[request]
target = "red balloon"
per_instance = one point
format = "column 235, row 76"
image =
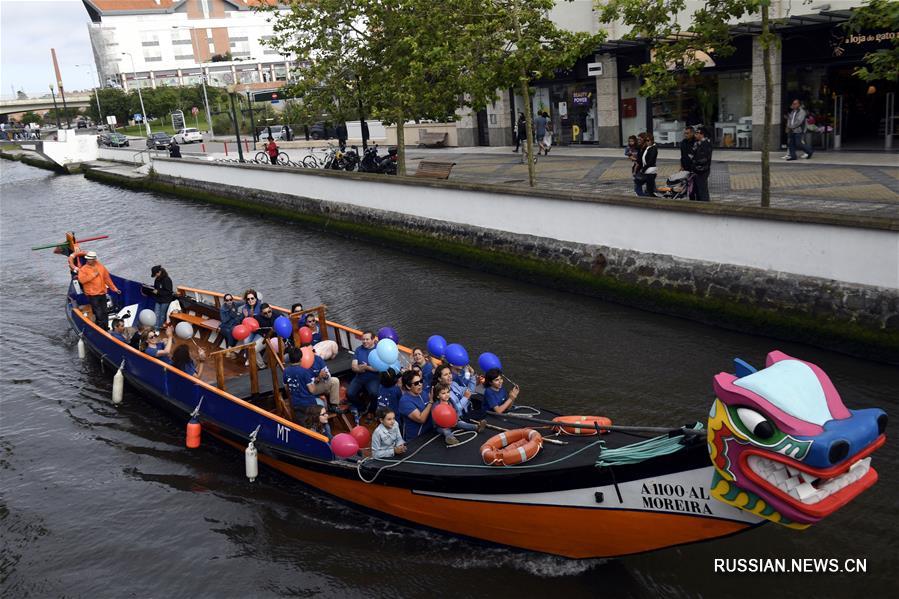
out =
column 444, row 415
column 344, row 445
column 305, row 335
column 361, row 435
column 240, row 332
column 308, row 357
column 251, row 323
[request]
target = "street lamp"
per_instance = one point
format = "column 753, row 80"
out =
column 196, row 52
column 139, row 95
column 96, row 89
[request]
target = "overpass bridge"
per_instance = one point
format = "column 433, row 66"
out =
column 78, row 100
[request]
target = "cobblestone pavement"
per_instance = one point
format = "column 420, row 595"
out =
column 831, row 188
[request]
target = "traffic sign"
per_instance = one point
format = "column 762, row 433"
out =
column 194, row 111
column 272, row 96
column 137, row 117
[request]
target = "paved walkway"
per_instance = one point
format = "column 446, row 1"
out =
column 834, row 182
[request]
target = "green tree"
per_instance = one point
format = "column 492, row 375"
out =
column 880, row 15
column 677, row 51
column 30, row 117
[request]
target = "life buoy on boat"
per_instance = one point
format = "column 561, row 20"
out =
column 512, row 447
column 576, row 430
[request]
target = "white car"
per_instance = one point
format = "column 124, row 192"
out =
column 186, row 136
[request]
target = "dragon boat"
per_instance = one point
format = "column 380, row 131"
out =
column 778, row 446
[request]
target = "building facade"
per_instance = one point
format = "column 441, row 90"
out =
column 177, row 42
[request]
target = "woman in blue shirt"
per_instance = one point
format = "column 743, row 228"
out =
column 415, row 411
column 496, row 399
column 181, row 360
column 161, row 350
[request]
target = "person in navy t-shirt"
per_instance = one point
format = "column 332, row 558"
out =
column 312, row 324
column 159, row 350
column 389, row 393
column 299, row 383
column 415, row 411
column 427, row 368
column 496, row 399
column 366, row 375
column 118, row 329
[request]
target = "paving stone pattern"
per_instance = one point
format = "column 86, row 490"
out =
column 850, row 189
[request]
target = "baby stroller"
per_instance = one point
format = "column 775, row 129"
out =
column 677, row 186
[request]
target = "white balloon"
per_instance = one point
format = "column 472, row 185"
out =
column 184, row 330
column 147, row 317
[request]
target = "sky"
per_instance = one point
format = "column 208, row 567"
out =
column 28, row 29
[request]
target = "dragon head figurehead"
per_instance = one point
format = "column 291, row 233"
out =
column 783, row 444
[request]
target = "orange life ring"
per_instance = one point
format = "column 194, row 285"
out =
column 512, row 447
column 576, row 430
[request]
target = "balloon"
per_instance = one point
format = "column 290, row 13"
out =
column 274, row 343
column 456, row 354
column 147, row 317
column 184, row 330
column 251, row 323
column 375, row 361
column 436, row 345
column 308, row 357
column 344, row 445
column 283, row 327
column 444, row 415
column 487, row 361
column 387, row 351
column 240, row 332
column 388, row 333
column 397, row 366
column 362, row 436
column 305, row 335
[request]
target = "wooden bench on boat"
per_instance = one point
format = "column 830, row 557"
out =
column 433, row 169
column 428, row 138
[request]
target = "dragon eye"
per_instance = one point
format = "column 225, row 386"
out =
column 755, row 422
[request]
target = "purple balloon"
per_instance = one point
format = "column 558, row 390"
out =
column 388, row 333
column 456, row 354
column 436, row 346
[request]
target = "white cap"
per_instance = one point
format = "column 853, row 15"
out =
column 90, row 255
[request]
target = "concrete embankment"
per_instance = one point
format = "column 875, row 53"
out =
column 823, row 279
column 32, row 159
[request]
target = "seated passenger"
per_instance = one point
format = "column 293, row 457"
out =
column 297, row 307
column 496, row 398
column 266, row 320
column 316, row 419
column 415, row 411
column 229, row 315
column 441, row 394
column 386, row 440
column 465, row 376
column 326, row 349
column 181, row 360
column 299, row 383
column 389, row 393
column 312, row 323
column 250, row 305
column 460, row 395
column 137, row 338
column 323, row 382
column 161, row 350
column 118, row 329
column 366, row 376
column 422, row 360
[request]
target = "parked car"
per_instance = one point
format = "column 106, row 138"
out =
column 188, row 136
column 112, row 139
column 278, row 133
column 321, row 131
column 160, row 141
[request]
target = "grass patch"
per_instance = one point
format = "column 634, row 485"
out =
column 788, row 324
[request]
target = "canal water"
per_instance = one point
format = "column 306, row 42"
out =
column 105, row 501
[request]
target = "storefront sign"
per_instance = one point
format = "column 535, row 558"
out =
column 581, row 98
column 594, row 69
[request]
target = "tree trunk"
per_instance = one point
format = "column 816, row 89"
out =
column 526, row 96
column 765, row 41
column 400, row 146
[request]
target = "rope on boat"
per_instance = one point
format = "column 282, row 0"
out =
column 392, row 465
column 683, row 430
column 515, row 410
column 643, row 450
column 524, row 466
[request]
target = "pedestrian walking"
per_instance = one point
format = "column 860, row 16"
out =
column 796, row 124
column 648, row 155
column 687, row 147
column 702, row 164
column 548, row 137
column 271, row 148
column 539, row 130
column 174, row 149
column 633, row 153
column 520, row 131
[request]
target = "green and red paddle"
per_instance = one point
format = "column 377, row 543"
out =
column 66, row 243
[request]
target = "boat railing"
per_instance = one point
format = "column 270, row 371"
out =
column 219, row 358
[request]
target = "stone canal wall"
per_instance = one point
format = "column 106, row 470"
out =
column 829, row 280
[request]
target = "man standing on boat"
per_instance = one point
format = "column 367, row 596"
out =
column 95, row 281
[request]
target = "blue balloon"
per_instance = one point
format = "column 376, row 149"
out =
column 487, row 361
column 437, row 346
column 388, row 333
column 456, row 354
column 396, row 366
column 388, row 351
column 375, row 361
column 283, row 327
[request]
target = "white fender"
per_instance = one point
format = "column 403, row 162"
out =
column 252, row 464
column 118, row 385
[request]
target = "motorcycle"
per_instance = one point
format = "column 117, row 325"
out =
column 373, row 163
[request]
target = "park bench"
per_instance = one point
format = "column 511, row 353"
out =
column 432, row 169
column 427, row 138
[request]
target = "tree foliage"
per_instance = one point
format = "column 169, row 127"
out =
column 30, row 117
column 879, row 15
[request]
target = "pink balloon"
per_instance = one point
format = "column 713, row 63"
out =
column 362, row 436
column 240, row 332
column 308, row 358
column 305, row 335
column 344, row 445
column 273, row 343
column 444, row 415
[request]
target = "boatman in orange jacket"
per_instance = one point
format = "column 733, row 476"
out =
column 95, row 281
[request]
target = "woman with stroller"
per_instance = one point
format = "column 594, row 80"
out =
column 648, row 155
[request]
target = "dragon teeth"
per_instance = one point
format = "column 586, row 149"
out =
column 792, row 471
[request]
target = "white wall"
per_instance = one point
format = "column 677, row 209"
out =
column 852, row 255
column 71, row 148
